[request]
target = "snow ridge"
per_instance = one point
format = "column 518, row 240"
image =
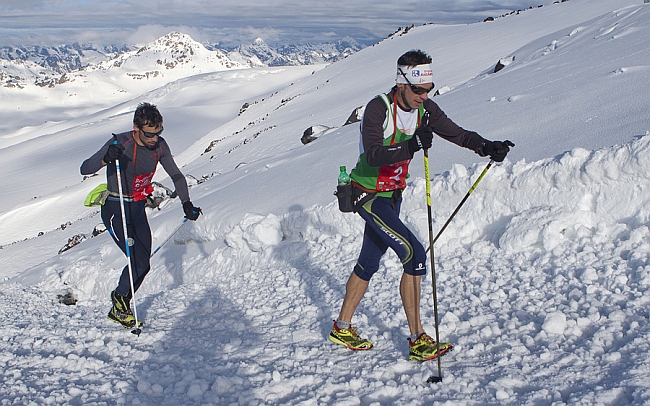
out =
column 512, row 297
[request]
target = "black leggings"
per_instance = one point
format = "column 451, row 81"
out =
column 138, row 230
column 385, row 230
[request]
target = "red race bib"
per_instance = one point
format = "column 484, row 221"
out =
column 393, row 176
column 142, row 186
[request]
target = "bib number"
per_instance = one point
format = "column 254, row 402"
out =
column 142, row 186
column 393, row 176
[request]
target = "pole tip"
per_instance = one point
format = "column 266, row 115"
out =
column 136, row 331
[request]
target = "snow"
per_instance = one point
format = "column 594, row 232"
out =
column 542, row 277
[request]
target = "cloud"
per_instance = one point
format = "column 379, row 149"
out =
column 52, row 22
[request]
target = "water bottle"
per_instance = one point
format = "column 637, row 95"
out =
column 344, row 178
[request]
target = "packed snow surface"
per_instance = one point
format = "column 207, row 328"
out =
column 542, row 277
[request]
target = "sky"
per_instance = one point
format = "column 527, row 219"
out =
column 542, row 277
column 58, row 22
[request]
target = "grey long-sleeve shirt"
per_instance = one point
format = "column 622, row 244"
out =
column 145, row 163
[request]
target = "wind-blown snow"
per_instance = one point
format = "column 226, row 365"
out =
column 542, row 277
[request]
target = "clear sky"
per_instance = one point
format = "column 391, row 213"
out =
column 56, row 22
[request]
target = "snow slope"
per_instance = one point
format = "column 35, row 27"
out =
column 542, row 277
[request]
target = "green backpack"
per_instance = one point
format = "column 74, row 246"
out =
column 97, row 196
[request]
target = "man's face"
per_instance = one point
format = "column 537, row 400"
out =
column 411, row 99
column 148, row 135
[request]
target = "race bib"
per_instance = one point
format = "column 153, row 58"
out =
column 393, row 176
column 142, row 186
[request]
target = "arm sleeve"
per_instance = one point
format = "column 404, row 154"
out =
column 169, row 165
column 94, row 163
column 450, row 131
column 372, row 137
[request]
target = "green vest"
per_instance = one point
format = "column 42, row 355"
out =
column 384, row 179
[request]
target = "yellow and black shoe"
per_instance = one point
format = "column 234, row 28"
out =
column 121, row 303
column 126, row 319
column 424, row 348
column 349, row 338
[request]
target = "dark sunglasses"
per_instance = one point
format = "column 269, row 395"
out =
column 417, row 89
column 151, row 135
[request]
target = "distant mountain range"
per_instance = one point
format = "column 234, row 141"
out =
column 49, row 66
column 293, row 55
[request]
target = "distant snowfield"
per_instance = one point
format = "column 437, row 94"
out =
column 542, row 277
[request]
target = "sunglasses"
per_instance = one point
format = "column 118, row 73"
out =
column 151, row 135
column 417, row 89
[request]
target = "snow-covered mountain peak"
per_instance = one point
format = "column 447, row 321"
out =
column 174, row 40
column 172, row 51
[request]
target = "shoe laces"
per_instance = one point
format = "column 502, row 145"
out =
column 424, row 338
column 353, row 331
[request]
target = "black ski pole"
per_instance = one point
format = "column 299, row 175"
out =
column 459, row 205
column 432, row 379
column 169, row 237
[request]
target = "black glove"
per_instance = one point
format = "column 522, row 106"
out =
column 497, row 150
column 423, row 138
column 191, row 212
column 114, row 152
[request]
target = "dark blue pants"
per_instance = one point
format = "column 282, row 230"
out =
column 138, row 229
column 384, row 229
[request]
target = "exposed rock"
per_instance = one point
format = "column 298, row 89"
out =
column 313, row 133
column 67, row 298
column 356, row 115
column 160, row 194
column 503, row 62
column 73, row 241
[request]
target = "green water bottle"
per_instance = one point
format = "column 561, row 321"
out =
column 344, row 178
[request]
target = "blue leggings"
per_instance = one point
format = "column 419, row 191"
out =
column 384, row 229
column 137, row 226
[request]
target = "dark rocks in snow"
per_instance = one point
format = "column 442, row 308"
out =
column 160, row 194
column 313, row 133
column 99, row 228
column 307, row 136
column 72, row 241
column 67, row 298
column 441, row 90
column 243, row 108
column 356, row 115
column 503, row 62
column 212, row 145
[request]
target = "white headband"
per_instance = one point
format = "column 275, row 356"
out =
column 416, row 75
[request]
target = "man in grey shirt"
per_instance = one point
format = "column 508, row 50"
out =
column 139, row 152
